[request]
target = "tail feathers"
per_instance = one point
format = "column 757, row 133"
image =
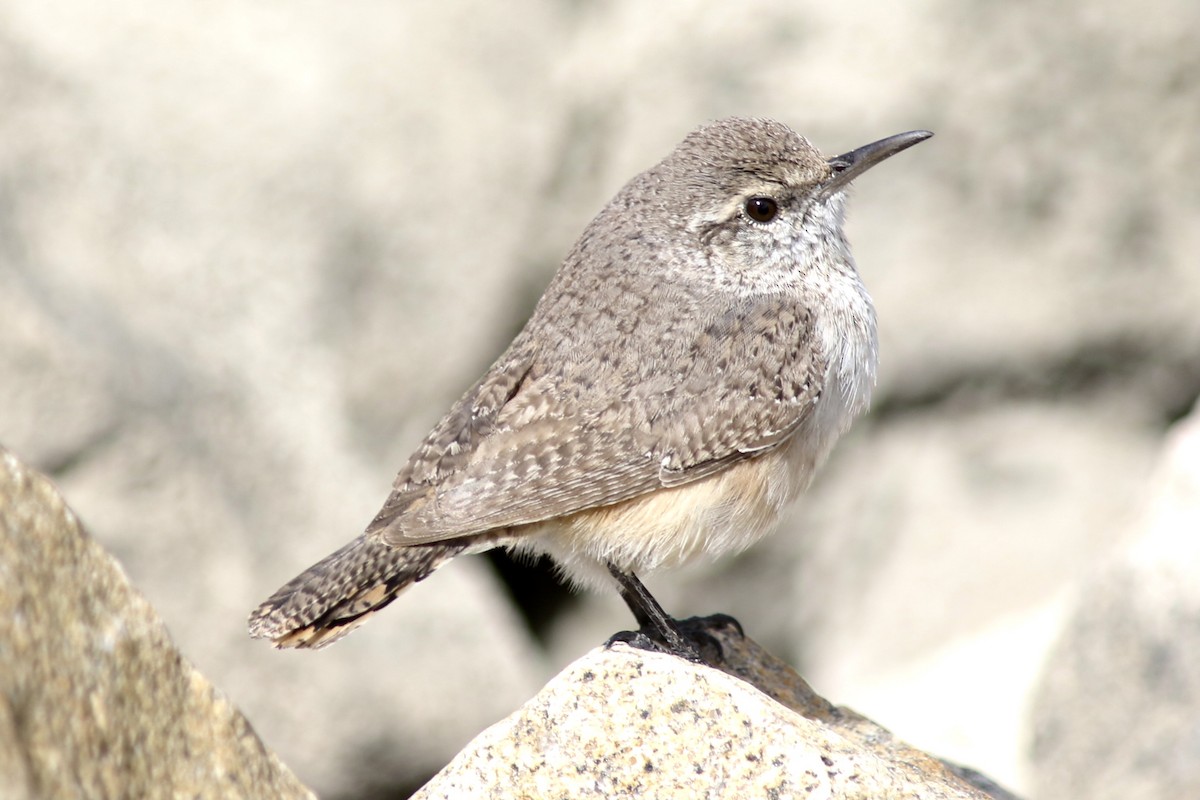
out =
column 339, row 593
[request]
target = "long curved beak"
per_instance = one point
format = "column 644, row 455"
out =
column 849, row 166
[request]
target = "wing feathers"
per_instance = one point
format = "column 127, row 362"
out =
column 528, row 444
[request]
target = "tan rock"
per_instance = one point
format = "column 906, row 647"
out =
column 95, row 700
column 622, row 722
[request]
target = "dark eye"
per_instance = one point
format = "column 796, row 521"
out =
column 762, row 209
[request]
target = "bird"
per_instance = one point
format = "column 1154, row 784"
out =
column 688, row 369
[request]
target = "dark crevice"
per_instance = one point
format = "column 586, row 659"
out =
column 60, row 465
column 1164, row 381
column 382, row 774
column 381, row 789
column 536, row 589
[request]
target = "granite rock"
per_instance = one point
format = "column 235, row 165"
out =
column 95, row 699
column 622, row 722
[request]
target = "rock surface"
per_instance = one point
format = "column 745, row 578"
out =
column 95, row 700
column 622, row 722
column 1117, row 709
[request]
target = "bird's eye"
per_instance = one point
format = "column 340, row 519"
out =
column 762, row 209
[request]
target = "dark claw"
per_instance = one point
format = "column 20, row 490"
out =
column 711, row 623
column 634, row 639
column 639, row 639
column 646, row 640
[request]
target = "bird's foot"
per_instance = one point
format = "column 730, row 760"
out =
column 691, row 639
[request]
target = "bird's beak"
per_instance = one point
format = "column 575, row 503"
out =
column 849, row 166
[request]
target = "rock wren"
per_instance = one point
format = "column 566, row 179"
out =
column 689, row 367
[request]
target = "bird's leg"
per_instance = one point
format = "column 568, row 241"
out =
column 652, row 619
column 657, row 629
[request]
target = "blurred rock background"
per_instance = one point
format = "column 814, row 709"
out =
column 250, row 252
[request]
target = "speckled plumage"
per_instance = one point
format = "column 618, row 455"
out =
column 682, row 377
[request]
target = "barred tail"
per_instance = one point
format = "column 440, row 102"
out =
column 339, row 593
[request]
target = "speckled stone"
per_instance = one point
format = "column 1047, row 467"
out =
column 626, row 723
column 95, row 700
